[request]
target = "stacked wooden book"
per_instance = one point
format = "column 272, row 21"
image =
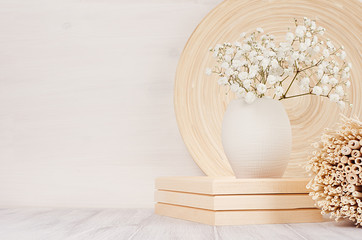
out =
column 231, row 201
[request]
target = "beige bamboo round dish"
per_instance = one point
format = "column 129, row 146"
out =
column 200, row 103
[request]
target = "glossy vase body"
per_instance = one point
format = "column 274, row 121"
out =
column 257, row 138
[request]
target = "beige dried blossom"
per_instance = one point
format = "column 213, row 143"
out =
column 336, row 166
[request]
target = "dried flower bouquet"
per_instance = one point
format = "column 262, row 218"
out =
column 256, row 66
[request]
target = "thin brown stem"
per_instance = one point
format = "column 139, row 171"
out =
column 302, row 94
column 284, row 79
column 311, row 66
column 298, row 95
column 295, row 76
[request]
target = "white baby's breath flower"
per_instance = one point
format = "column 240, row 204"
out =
column 260, row 57
column 241, row 93
column 238, row 54
column 252, row 54
column 320, row 72
column 343, row 55
column 252, row 74
column 243, row 75
column 230, row 51
column 229, row 72
column 307, row 42
column 250, row 97
column 225, row 65
column 339, row 90
column 227, row 58
column 289, row 71
column 316, row 49
column 234, row 87
column 248, row 39
column 208, row 71
column 313, row 25
column 222, row 81
column 265, row 63
column 341, row 104
column 302, row 47
column 247, row 84
column 324, row 65
column 325, row 89
column 260, row 30
column 271, row 54
column 317, row 90
column 279, row 91
column 348, row 84
column 289, row 37
column 326, row 53
column 330, row 44
column 242, row 34
column 325, row 79
column 301, row 57
column 307, row 21
column 274, row 63
column 217, row 47
column 304, row 84
column 236, row 63
column 271, row 80
column 334, row 97
column 345, row 75
column 284, row 46
column 335, row 69
column 295, row 56
column 300, row 30
column 321, row 30
column 333, row 81
column 253, row 70
column 261, row 88
column 246, row 47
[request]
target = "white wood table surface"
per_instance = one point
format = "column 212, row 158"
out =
column 131, row 224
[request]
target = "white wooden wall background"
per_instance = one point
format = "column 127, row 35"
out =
column 86, row 99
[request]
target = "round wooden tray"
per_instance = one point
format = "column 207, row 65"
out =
column 200, row 103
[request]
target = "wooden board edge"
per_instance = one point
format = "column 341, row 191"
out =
column 235, row 202
column 229, row 218
column 231, row 185
column 192, row 214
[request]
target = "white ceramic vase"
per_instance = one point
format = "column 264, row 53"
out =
column 257, row 138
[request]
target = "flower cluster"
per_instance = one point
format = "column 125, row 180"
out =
column 336, row 166
column 256, row 66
